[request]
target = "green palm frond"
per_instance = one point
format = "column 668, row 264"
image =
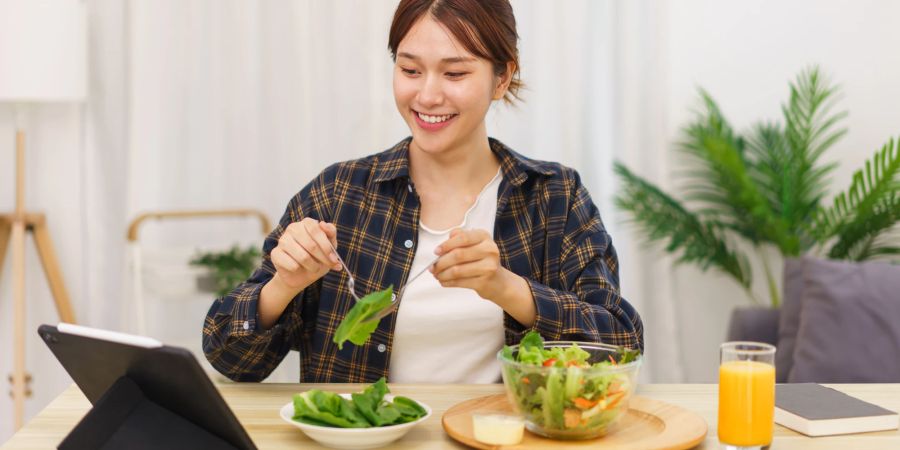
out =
column 767, row 187
column 722, row 180
column 810, row 129
column 663, row 218
column 860, row 240
column 884, row 245
column 772, row 169
column 869, row 207
column 790, row 183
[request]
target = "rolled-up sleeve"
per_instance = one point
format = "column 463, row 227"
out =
column 232, row 340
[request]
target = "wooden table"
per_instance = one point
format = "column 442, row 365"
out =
column 257, row 405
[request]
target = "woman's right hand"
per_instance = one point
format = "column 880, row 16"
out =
column 303, row 254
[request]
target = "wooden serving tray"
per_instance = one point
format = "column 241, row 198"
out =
column 648, row 424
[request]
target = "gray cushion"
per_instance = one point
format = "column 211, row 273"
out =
column 753, row 323
column 849, row 329
column 789, row 321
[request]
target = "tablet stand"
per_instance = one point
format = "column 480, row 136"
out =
column 125, row 418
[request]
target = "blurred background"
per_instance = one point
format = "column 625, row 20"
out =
column 214, row 104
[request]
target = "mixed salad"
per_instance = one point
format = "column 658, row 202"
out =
column 579, row 396
column 365, row 409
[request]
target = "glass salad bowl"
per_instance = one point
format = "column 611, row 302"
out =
column 569, row 390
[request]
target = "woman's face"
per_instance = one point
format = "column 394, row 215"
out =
column 442, row 91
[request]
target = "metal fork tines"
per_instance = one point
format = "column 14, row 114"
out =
column 396, row 300
column 351, row 283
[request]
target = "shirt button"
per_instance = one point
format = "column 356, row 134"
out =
column 382, row 348
column 408, row 243
column 246, row 325
column 394, row 297
column 409, row 187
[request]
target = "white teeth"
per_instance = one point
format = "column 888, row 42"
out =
column 434, row 119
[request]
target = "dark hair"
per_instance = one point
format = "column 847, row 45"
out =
column 486, row 28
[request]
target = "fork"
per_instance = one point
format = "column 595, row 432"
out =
column 396, row 300
column 351, row 283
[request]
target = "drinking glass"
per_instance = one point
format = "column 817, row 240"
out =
column 746, row 395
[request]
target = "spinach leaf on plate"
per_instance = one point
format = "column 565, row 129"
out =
column 366, row 409
column 327, row 409
column 409, row 408
column 367, row 402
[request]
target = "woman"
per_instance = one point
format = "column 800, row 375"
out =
column 518, row 243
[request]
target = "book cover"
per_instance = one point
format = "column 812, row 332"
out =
column 816, row 410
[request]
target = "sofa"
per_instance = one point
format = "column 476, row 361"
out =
column 839, row 323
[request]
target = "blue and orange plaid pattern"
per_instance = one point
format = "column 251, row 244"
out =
column 547, row 229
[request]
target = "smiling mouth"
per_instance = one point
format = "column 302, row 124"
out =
column 433, row 119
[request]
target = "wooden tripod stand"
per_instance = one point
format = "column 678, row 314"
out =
column 13, row 227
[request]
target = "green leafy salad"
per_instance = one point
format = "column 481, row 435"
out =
column 358, row 325
column 579, row 396
column 366, row 409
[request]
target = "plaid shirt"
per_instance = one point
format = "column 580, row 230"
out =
column 547, row 230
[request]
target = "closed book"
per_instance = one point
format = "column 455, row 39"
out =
column 816, row 410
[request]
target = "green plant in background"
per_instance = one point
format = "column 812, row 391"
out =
column 229, row 268
column 766, row 187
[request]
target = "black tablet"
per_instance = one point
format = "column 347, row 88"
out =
column 151, row 385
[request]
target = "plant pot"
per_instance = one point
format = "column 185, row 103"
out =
column 754, row 323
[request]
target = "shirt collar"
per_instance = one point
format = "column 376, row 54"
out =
column 394, row 163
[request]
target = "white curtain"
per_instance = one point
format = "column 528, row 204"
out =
column 242, row 103
column 212, row 103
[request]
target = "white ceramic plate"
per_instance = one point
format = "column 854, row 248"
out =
column 353, row 438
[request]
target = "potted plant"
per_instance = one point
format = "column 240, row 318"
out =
column 227, row 269
column 766, row 187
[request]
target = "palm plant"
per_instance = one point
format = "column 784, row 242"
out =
column 767, row 187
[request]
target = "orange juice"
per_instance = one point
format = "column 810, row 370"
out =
column 746, row 403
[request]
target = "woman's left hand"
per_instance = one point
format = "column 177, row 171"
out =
column 470, row 259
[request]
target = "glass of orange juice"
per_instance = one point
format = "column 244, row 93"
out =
column 746, row 395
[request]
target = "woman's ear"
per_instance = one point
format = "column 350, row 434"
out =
column 503, row 81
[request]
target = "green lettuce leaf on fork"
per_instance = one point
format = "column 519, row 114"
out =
column 357, row 326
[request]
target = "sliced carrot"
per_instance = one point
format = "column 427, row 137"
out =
column 583, row 403
column 613, row 400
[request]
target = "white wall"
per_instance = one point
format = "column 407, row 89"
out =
column 744, row 53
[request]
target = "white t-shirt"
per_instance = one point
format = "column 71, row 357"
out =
column 448, row 335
